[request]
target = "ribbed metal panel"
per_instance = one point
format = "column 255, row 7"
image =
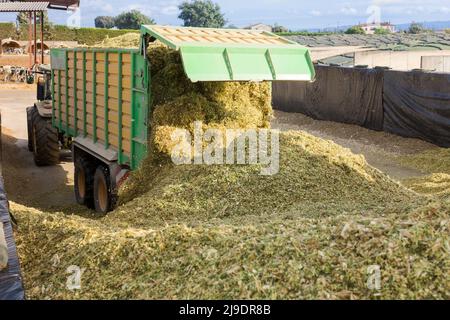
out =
column 23, row 6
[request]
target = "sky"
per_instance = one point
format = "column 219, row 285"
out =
column 293, row 14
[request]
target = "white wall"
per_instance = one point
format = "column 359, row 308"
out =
column 438, row 63
column 397, row 60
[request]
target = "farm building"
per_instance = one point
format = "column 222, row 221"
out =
column 260, row 27
column 370, row 28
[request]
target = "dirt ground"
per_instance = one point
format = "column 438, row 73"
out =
column 25, row 183
column 18, row 60
column 52, row 187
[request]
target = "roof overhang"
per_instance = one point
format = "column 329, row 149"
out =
column 20, row 6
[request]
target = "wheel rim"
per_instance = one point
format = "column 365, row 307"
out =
column 81, row 182
column 102, row 195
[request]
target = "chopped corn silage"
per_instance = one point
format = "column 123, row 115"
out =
column 314, row 230
column 435, row 164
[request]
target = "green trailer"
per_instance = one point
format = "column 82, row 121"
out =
column 99, row 98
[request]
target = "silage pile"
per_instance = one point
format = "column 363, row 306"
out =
column 219, row 232
column 126, row 41
column 178, row 103
column 216, row 232
column 435, row 165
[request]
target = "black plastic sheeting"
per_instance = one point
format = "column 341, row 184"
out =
column 11, row 287
column 417, row 105
column 346, row 95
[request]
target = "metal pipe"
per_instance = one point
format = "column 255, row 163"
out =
column 42, row 37
column 29, row 39
column 35, row 36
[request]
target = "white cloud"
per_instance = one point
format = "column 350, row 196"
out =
column 315, row 13
column 349, row 11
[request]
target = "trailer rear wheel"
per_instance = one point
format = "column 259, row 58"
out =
column 30, row 111
column 104, row 198
column 45, row 141
column 84, row 182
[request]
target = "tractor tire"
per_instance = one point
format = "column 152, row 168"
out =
column 30, row 111
column 45, row 141
column 84, row 182
column 104, row 198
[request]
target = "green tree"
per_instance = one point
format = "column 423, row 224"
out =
column 279, row 29
column 355, row 30
column 416, row 28
column 202, row 13
column 382, row 31
column 22, row 22
column 105, row 22
column 132, row 20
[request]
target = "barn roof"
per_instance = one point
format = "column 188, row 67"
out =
column 16, row 6
column 61, row 4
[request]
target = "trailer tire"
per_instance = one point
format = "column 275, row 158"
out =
column 84, row 182
column 30, row 111
column 104, row 197
column 45, row 141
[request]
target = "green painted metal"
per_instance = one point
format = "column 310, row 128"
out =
column 75, row 97
column 59, row 100
column 94, row 94
column 53, row 98
column 246, row 64
column 106, row 114
column 119, row 108
column 139, row 108
column 66, row 74
column 58, row 59
column 213, row 60
column 84, row 96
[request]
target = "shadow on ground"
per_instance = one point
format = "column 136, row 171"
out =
column 47, row 189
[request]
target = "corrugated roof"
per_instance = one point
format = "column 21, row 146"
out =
column 23, row 6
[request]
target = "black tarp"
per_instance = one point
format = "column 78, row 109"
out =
column 417, row 105
column 10, row 278
column 11, row 287
column 347, row 95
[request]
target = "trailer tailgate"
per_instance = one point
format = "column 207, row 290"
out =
column 235, row 55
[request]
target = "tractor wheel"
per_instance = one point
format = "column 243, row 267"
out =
column 45, row 141
column 84, row 182
column 30, row 111
column 104, row 198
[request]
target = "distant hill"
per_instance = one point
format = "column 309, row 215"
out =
column 433, row 25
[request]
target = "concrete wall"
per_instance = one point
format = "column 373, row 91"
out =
column 397, row 60
column 438, row 63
